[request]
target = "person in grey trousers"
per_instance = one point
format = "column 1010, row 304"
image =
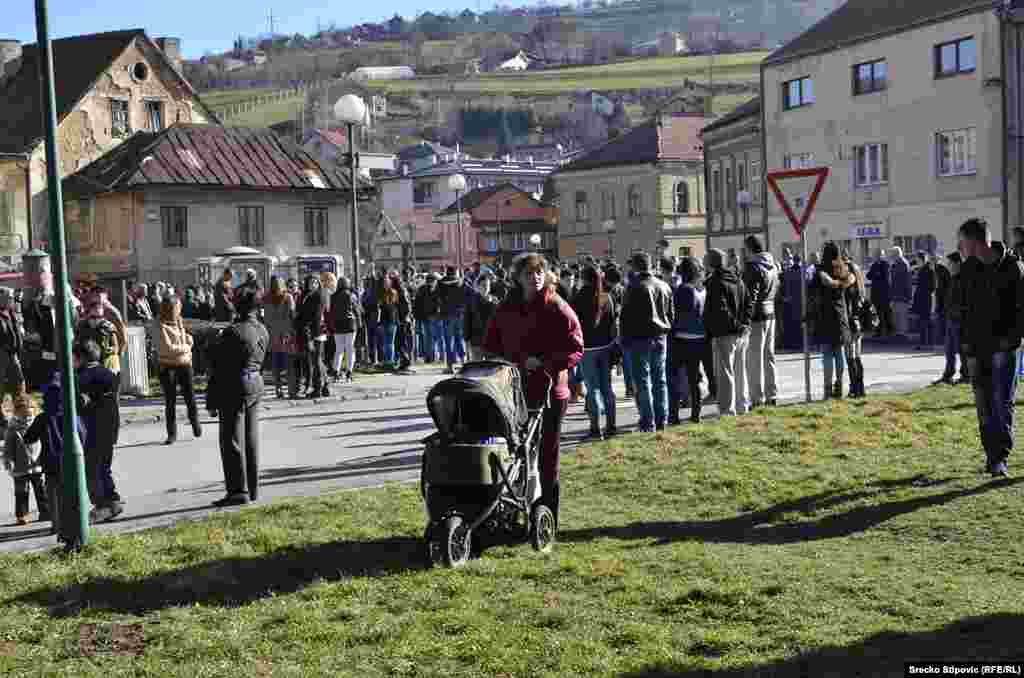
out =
column 761, row 277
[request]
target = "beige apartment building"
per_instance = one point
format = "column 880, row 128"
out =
column 643, row 191
column 735, row 167
column 903, row 102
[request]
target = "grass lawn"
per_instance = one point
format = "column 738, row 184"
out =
column 220, row 98
column 630, row 74
column 835, row 539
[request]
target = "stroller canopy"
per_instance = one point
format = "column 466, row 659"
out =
column 485, row 399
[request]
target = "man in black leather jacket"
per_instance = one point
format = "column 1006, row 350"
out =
column 235, row 391
column 648, row 313
column 727, row 313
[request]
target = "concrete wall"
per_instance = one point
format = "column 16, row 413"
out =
column 212, row 226
column 906, row 116
column 656, row 220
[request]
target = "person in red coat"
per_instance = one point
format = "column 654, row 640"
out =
column 538, row 330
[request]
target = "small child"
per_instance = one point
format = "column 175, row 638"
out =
column 24, row 462
column 97, row 388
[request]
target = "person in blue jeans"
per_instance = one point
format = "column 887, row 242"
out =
column 389, row 317
column 453, row 308
column 599, row 318
column 991, row 301
column 648, row 314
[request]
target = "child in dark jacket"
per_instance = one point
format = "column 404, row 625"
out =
column 97, row 390
column 48, row 429
column 24, row 462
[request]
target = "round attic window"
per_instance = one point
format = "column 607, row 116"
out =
column 140, row 72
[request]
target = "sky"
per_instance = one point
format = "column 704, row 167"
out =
column 206, row 25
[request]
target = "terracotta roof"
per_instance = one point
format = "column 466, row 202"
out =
column 859, row 20
column 748, row 110
column 78, row 63
column 477, row 197
column 206, row 156
column 334, row 136
column 668, row 138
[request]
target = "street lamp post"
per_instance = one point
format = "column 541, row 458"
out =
column 457, row 183
column 351, row 110
column 535, row 241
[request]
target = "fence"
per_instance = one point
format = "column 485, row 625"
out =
column 227, row 112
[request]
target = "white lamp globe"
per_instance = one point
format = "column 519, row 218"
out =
column 457, row 182
column 351, row 109
column 535, row 240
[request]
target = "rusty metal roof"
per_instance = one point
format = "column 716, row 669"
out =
column 671, row 137
column 208, row 156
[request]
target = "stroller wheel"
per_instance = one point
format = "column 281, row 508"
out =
column 455, row 542
column 542, row 529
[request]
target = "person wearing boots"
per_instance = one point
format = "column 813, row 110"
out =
column 311, row 328
column 174, row 354
column 234, row 392
column 856, row 296
column 599, row 318
column 831, row 316
column 97, row 395
column 535, row 329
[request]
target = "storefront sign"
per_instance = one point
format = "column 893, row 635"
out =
column 864, row 231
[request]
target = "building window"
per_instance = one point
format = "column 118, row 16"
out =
column 175, row 226
column 952, row 58
column 730, row 192
column 682, row 198
column 872, row 164
column 316, row 227
column 608, row 205
column 716, row 190
column 755, row 181
column 957, row 152
column 155, row 115
column 423, row 193
column 685, row 251
column 635, row 204
column 582, row 208
column 872, row 76
column 797, row 93
column 250, row 226
column 794, row 161
column 119, row 123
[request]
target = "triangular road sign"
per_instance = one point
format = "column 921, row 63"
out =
column 799, row 220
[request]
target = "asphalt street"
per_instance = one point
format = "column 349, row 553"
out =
column 371, row 437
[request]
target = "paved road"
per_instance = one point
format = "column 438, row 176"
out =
column 369, row 439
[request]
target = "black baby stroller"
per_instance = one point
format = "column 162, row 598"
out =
column 480, row 470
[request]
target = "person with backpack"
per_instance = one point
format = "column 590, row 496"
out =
column 761, row 277
column 102, row 323
column 97, row 393
column 728, row 309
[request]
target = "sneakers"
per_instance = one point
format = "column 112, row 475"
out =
column 946, row 379
column 594, row 434
column 21, row 520
column 105, row 513
column 1000, row 470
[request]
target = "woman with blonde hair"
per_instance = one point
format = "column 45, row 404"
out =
column 174, row 355
column 279, row 317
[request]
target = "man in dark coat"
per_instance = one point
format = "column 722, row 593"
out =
column 879, row 275
column 924, row 293
column 12, row 378
column 311, row 331
column 235, row 391
column 728, row 310
column 223, row 305
column 453, row 310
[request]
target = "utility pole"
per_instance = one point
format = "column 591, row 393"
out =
column 271, row 21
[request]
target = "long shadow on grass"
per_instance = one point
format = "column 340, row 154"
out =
column 991, row 638
column 231, row 582
column 762, row 527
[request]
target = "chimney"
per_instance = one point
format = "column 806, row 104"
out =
column 10, row 58
column 171, row 48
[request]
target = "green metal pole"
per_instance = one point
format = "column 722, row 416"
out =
column 74, row 516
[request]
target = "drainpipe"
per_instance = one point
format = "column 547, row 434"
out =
column 764, row 165
column 1004, row 26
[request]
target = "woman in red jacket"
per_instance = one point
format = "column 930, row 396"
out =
column 538, row 330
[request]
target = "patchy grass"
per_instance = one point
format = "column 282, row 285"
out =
column 833, row 539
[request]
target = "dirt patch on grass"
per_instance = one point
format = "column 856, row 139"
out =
column 126, row 640
column 8, row 648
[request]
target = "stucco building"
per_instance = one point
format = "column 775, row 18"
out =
column 643, row 191
column 734, row 169
column 108, row 86
column 903, row 102
column 151, row 207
